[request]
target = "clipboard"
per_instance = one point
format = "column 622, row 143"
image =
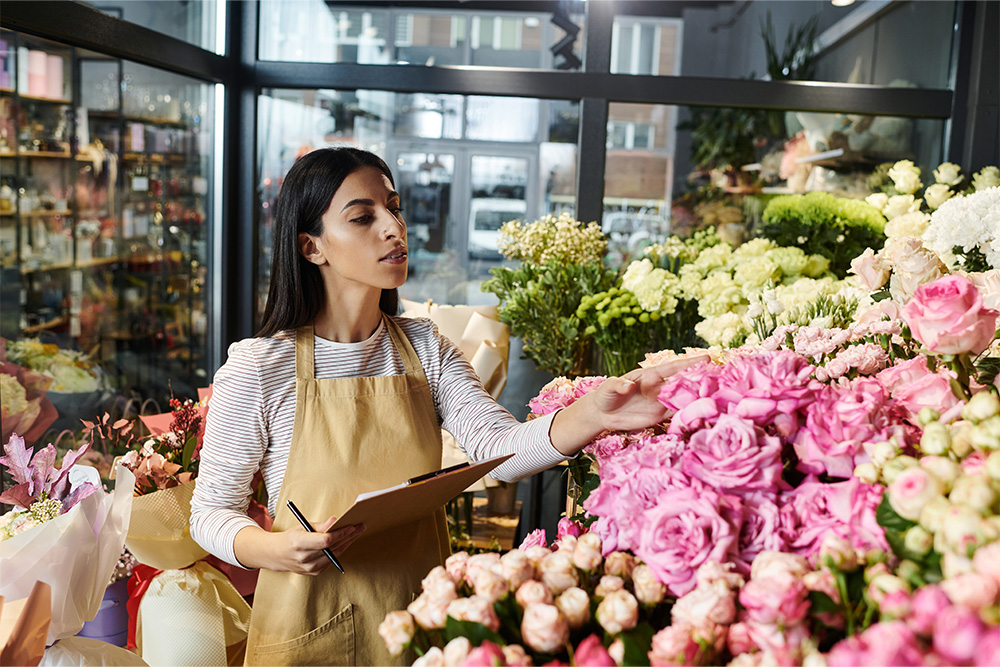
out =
column 415, row 498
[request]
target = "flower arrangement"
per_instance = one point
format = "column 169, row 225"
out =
column 24, row 404
column 42, row 491
column 70, row 371
column 561, row 260
column 837, row 228
column 965, row 230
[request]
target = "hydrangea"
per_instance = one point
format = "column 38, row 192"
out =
column 970, row 222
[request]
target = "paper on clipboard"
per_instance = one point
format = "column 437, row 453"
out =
column 406, row 502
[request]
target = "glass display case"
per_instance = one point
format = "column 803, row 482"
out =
column 104, row 196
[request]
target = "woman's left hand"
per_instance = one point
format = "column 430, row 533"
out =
column 623, row 403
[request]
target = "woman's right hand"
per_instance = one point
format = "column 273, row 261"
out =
column 293, row 550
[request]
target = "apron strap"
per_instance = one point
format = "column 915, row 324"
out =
column 411, row 362
column 304, row 360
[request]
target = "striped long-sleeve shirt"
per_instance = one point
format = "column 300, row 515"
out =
column 249, row 424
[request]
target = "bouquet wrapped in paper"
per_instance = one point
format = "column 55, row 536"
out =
column 26, row 408
column 173, row 591
column 66, row 532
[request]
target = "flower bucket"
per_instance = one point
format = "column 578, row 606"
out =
column 111, row 623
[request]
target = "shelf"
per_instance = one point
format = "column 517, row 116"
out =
column 99, row 261
column 45, row 214
column 153, row 121
column 47, row 267
column 36, row 98
column 67, row 155
column 8, row 154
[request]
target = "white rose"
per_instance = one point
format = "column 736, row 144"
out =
column 993, row 465
column 587, row 554
column 946, row 470
column 936, row 439
column 648, row 588
column 557, row 572
column 932, row 516
column 988, row 177
column 948, row 173
column 937, row 194
column 960, row 529
column 918, row 540
column 905, row 176
column 975, row 491
column 913, row 224
column 574, row 603
column 619, row 564
column 878, row 200
column 456, row 651
column 899, row 205
column 981, row 406
column 617, row 612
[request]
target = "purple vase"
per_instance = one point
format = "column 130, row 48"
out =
column 111, row 623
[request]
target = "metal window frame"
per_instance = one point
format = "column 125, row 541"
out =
column 968, row 107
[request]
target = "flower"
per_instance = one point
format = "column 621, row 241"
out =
column 587, row 554
column 397, row 631
column 574, row 603
column 36, row 478
column 516, row 568
column 544, row 628
column 948, row 316
column 937, row 194
column 908, row 224
column 648, row 589
column 948, row 173
column 591, row 653
column 957, row 630
column 618, row 611
column 674, row 645
column 900, row 205
column 870, row 269
column 782, row 599
column 987, row 177
column 430, row 614
column 912, row 266
column 885, row 643
column 733, row 455
column 533, row 592
column 915, row 387
column 905, row 176
column 714, row 602
column 486, row 653
column 476, row 609
column 557, row 572
column 965, row 223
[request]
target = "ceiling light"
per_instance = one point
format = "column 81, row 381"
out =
column 842, row 3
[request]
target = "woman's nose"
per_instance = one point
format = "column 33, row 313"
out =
column 393, row 226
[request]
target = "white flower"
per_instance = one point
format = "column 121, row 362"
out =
column 908, row 224
column 988, row 177
column 899, row 205
column 878, row 200
column 905, row 176
column 948, row 173
column 937, row 194
column 970, row 221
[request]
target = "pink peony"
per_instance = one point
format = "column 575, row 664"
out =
column 486, row 654
column 768, row 388
column 591, row 653
column 602, row 449
column 846, row 508
column 687, row 527
column 734, row 455
column 948, row 316
column 839, row 422
column 957, row 630
column 891, row 643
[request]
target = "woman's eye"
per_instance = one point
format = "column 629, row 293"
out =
column 362, row 219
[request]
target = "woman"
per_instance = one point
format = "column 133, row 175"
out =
column 336, row 396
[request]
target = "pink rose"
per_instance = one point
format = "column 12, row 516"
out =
column 617, row 612
column 915, row 386
column 544, row 628
column 535, row 538
column 684, row 529
column 971, row 589
column 734, row 455
column 713, row 571
column 486, row 653
column 567, row 526
column 673, row 645
column 591, row 653
column 988, row 650
column 781, row 599
column 957, row 630
column 557, row 572
column 457, row 651
column 783, row 642
column 491, row 585
column 738, row 639
column 480, row 562
column 587, row 554
column 603, row 449
column 761, row 529
column 455, row 565
column 814, row 509
column 870, row 269
column 779, row 564
column 926, row 605
column 714, row 603
column 948, row 316
column 986, row 561
column 911, row 490
column 429, row 614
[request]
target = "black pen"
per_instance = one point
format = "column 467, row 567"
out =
column 308, row 526
column 436, row 473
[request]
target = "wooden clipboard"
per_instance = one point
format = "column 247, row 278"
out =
column 415, row 499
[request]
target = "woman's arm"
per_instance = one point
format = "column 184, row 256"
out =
column 621, row 403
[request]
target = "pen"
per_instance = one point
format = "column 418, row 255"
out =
column 308, row 526
column 431, row 475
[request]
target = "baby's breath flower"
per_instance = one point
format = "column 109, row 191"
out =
column 552, row 238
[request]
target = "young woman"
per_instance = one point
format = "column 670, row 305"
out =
column 336, row 396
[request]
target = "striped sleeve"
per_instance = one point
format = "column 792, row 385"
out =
column 234, row 445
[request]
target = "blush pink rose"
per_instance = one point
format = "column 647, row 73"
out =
column 591, row 653
column 779, row 599
column 535, row 538
column 914, row 386
column 870, row 269
column 926, row 605
column 674, row 645
column 957, row 631
column 475, row 609
column 986, row 561
column 486, row 654
column 714, row 603
column 890, row 643
column 544, row 628
column 948, row 316
column 733, row 455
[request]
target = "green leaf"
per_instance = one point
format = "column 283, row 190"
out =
column 889, row 519
column 822, row 603
column 637, row 643
column 476, row 633
column 188, row 452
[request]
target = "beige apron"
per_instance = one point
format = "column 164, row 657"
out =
column 351, row 435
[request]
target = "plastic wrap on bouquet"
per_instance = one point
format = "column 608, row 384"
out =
column 485, row 342
column 199, row 600
column 84, row 652
column 75, row 553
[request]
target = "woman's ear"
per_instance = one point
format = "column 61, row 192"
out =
column 309, row 249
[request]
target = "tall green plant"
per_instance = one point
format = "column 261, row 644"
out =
column 795, row 61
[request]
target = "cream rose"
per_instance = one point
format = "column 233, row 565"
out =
column 433, row 658
column 648, row 589
column 557, row 572
column 608, row 584
column 587, row 554
column 905, row 176
column 429, row 614
column 988, row 177
column 913, row 224
column 619, row 564
column 778, row 563
column 515, row 656
column 533, row 592
column 937, row 194
column 544, row 628
column 455, row 565
column 491, row 585
column 870, row 269
column 879, row 200
column 397, row 631
column 714, row 603
column 898, row 205
column 948, row 174
column 516, row 568
column 617, row 612
column 457, row 651
column 911, row 490
column 975, row 491
column 574, row 603
column 476, row 609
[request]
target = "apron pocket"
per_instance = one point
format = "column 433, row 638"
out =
column 330, row 644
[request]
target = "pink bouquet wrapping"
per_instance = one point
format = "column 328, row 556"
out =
column 25, row 408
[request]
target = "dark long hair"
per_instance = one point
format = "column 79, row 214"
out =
column 296, row 291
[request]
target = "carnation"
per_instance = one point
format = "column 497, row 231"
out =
column 967, row 222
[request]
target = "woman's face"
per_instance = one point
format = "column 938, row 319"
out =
column 363, row 242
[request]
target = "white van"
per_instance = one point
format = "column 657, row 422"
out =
column 486, row 215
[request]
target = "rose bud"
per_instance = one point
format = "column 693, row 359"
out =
column 918, row 540
column 486, row 653
column 648, row 589
column 514, row 655
column 587, row 554
column 532, row 592
column 981, row 407
column 491, row 585
column 429, row 614
column 397, row 631
column 617, row 612
column 911, row 490
column 975, row 491
column 619, row 564
column 608, row 584
column 574, row 603
column 455, row 565
column 557, row 572
column 544, row 628
column 517, row 569
column 591, row 652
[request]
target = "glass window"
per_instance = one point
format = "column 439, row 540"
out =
column 459, row 180
column 104, row 226
column 318, row 31
column 199, row 23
